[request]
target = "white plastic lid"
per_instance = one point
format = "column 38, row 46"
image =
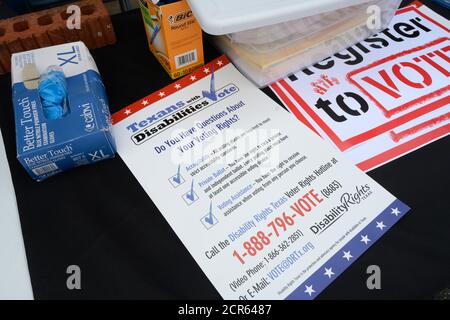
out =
column 220, row 17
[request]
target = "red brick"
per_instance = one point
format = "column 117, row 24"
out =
column 5, row 58
column 42, row 39
column 14, row 45
column 44, row 21
column 104, row 20
column 49, row 27
column 56, row 35
column 97, row 32
column 107, row 28
column 85, row 34
column 71, row 35
column 4, row 52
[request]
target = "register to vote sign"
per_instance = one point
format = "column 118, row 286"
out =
column 265, row 207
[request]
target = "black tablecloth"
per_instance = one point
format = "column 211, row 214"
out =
column 99, row 217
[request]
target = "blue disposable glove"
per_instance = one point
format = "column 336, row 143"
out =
column 53, row 92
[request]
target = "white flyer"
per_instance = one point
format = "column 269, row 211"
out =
column 266, row 208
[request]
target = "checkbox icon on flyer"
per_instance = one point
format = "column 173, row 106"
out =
column 177, row 179
column 209, row 220
column 190, row 197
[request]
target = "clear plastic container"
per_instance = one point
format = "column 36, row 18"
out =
column 268, row 53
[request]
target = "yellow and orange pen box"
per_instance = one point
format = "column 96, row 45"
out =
column 174, row 36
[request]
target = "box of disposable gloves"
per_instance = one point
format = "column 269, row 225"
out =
column 61, row 110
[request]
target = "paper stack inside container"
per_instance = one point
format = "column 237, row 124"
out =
column 272, row 51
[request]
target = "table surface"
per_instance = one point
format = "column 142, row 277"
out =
column 99, row 217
